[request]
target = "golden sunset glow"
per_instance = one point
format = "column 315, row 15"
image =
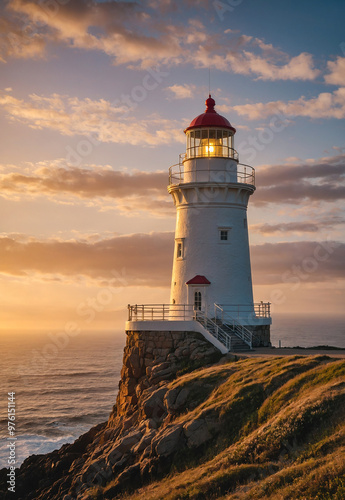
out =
column 94, row 99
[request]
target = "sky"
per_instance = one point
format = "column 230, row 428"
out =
column 94, row 98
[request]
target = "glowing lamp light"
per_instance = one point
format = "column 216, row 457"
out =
column 211, row 147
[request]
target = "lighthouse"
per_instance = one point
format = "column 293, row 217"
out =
column 211, row 190
column 211, row 285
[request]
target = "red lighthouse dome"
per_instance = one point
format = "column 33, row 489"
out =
column 210, row 118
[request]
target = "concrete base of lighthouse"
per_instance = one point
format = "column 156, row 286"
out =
column 161, row 327
column 261, row 335
column 261, row 332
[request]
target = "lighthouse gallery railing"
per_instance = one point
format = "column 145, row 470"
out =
column 185, row 312
column 233, row 173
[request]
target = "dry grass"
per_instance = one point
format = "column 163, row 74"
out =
column 283, row 433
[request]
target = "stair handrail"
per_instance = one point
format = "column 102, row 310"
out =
column 216, row 331
column 238, row 329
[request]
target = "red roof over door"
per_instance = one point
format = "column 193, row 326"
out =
column 198, row 280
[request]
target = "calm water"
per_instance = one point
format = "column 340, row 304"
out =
column 62, row 389
column 61, row 392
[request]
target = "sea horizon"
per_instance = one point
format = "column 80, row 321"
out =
column 61, row 393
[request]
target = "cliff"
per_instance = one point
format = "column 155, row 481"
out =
column 191, row 424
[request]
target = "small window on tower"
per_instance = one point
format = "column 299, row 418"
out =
column 180, row 249
column 223, row 235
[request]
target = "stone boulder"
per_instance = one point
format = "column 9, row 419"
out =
column 175, row 399
column 153, row 406
column 122, row 446
column 167, row 441
column 197, row 433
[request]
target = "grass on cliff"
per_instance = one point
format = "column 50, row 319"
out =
column 280, row 434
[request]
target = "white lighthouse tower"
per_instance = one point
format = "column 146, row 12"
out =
column 211, row 287
column 211, row 190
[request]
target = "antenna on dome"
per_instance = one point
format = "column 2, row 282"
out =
column 209, row 81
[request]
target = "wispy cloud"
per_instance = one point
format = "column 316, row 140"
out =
column 130, row 193
column 19, row 41
column 300, row 67
column 319, row 180
column 185, row 91
column 291, row 183
column 307, row 226
column 325, row 105
column 139, row 37
column 314, row 261
column 336, row 75
column 105, row 121
column 146, row 259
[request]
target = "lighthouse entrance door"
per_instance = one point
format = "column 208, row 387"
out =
column 197, row 297
column 197, row 301
column 197, row 293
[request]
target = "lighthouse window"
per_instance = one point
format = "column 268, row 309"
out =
column 223, row 235
column 197, row 301
column 180, row 249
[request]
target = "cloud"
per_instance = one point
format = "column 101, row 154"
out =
column 308, row 226
column 103, row 120
column 325, row 105
column 145, row 260
column 140, row 37
column 182, row 91
column 336, row 75
column 19, row 40
column 300, row 67
column 321, row 180
column 133, row 192
column 140, row 259
column 130, row 192
column 296, row 262
column 118, row 29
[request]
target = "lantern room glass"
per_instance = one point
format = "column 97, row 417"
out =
column 210, row 142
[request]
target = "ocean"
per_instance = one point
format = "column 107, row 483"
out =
column 64, row 386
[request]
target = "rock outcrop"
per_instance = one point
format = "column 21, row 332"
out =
column 151, row 358
column 231, row 424
column 138, row 433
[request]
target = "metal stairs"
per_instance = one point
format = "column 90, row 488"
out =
column 233, row 336
column 237, row 343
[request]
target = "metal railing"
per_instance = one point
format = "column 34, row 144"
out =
column 214, row 329
column 160, row 312
column 185, row 312
column 234, row 173
column 262, row 309
column 258, row 310
column 238, row 329
column 164, row 312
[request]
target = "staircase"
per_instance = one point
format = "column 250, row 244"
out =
column 237, row 343
column 235, row 337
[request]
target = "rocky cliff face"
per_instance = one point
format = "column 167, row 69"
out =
column 139, row 422
column 151, row 358
column 262, row 428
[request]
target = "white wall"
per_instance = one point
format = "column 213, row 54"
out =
column 203, row 208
